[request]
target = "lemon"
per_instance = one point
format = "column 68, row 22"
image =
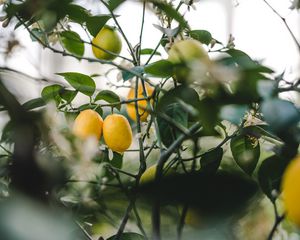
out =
column 291, row 191
column 142, row 105
column 149, row 175
column 109, row 40
column 88, row 123
column 117, row 132
column 184, row 53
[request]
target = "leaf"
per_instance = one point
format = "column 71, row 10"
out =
column 80, row 82
column 168, row 31
column 168, row 132
column 128, row 75
column 77, row 13
column 34, row 103
column 72, row 42
column 202, row 36
column 91, row 106
column 68, row 95
column 110, row 97
column 233, row 113
column 270, row 174
column 211, row 160
column 280, row 114
column 161, row 68
column 183, row 93
column 117, row 160
column 149, row 51
column 128, row 236
column 113, row 4
column 246, row 152
column 95, row 23
column 37, row 33
column 51, row 92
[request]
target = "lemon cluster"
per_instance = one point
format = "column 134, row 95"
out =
column 115, row 128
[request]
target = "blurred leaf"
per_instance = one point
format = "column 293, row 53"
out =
column 128, row 236
column 184, row 93
column 117, row 160
column 77, row 13
column 202, row 36
column 208, row 114
column 7, row 132
column 34, row 103
column 110, row 97
column 246, row 152
column 270, row 174
column 149, row 51
column 211, row 160
column 51, row 92
column 266, row 89
column 280, row 114
column 95, row 23
column 128, row 75
column 168, row 132
column 168, row 31
column 80, row 82
column 68, row 95
column 72, row 42
column 38, row 34
column 161, row 68
column 233, row 113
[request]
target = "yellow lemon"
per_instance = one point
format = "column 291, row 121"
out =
column 291, row 191
column 88, row 123
column 130, row 107
column 107, row 39
column 117, row 132
column 149, row 175
column 185, row 52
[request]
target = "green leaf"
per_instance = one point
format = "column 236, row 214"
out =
column 51, row 92
column 77, row 13
column 72, row 42
column 128, row 236
column 95, row 23
column 183, row 93
column 34, row 103
column 128, row 75
column 202, row 36
column 113, row 4
column 161, row 68
column 211, row 160
column 168, row 132
column 80, row 82
column 117, row 160
column 270, row 174
column 233, row 113
column 280, row 114
column 149, row 51
column 110, row 97
column 68, row 95
column 246, row 152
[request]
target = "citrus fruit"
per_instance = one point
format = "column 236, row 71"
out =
column 183, row 53
column 130, row 107
column 149, row 175
column 291, row 191
column 88, row 123
column 117, row 132
column 107, row 39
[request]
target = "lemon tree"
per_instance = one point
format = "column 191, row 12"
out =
column 191, row 135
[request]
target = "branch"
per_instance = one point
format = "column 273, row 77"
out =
column 285, row 24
